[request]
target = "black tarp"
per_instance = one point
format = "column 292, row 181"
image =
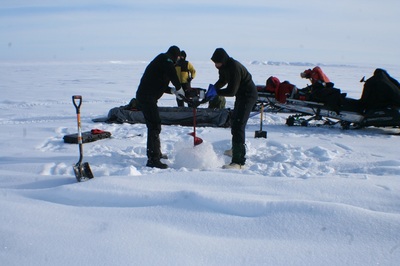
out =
column 183, row 116
column 88, row 136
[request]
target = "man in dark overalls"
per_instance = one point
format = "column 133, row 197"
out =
column 155, row 80
column 239, row 84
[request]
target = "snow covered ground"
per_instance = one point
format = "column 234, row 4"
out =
column 310, row 196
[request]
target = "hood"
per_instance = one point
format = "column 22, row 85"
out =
column 220, row 56
column 174, row 52
column 272, row 83
column 183, row 54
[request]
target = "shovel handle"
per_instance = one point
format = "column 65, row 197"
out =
column 261, row 116
column 77, row 105
column 78, row 117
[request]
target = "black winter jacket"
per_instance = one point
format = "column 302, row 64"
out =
column 233, row 73
column 158, row 74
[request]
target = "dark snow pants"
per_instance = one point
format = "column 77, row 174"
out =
column 149, row 108
column 241, row 113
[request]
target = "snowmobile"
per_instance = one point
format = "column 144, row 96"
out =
column 347, row 118
column 349, row 113
column 322, row 103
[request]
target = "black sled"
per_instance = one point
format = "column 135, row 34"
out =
column 349, row 116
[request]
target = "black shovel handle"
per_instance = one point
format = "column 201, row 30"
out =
column 77, row 105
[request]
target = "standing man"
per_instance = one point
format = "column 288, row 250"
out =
column 239, row 84
column 186, row 73
column 158, row 74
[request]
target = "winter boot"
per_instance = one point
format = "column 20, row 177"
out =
column 156, row 163
column 233, row 166
column 238, row 156
column 228, row 152
column 238, row 153
column 154, row 147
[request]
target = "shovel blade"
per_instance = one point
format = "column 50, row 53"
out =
column 260, row 134
column 83, row 172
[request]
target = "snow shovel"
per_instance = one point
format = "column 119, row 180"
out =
column 196, row 140
column 260, row 133
column 82, row 170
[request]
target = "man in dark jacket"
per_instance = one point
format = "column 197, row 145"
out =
column 239, row 84
column 158, row 74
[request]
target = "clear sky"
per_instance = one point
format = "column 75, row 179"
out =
column 316, row 31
